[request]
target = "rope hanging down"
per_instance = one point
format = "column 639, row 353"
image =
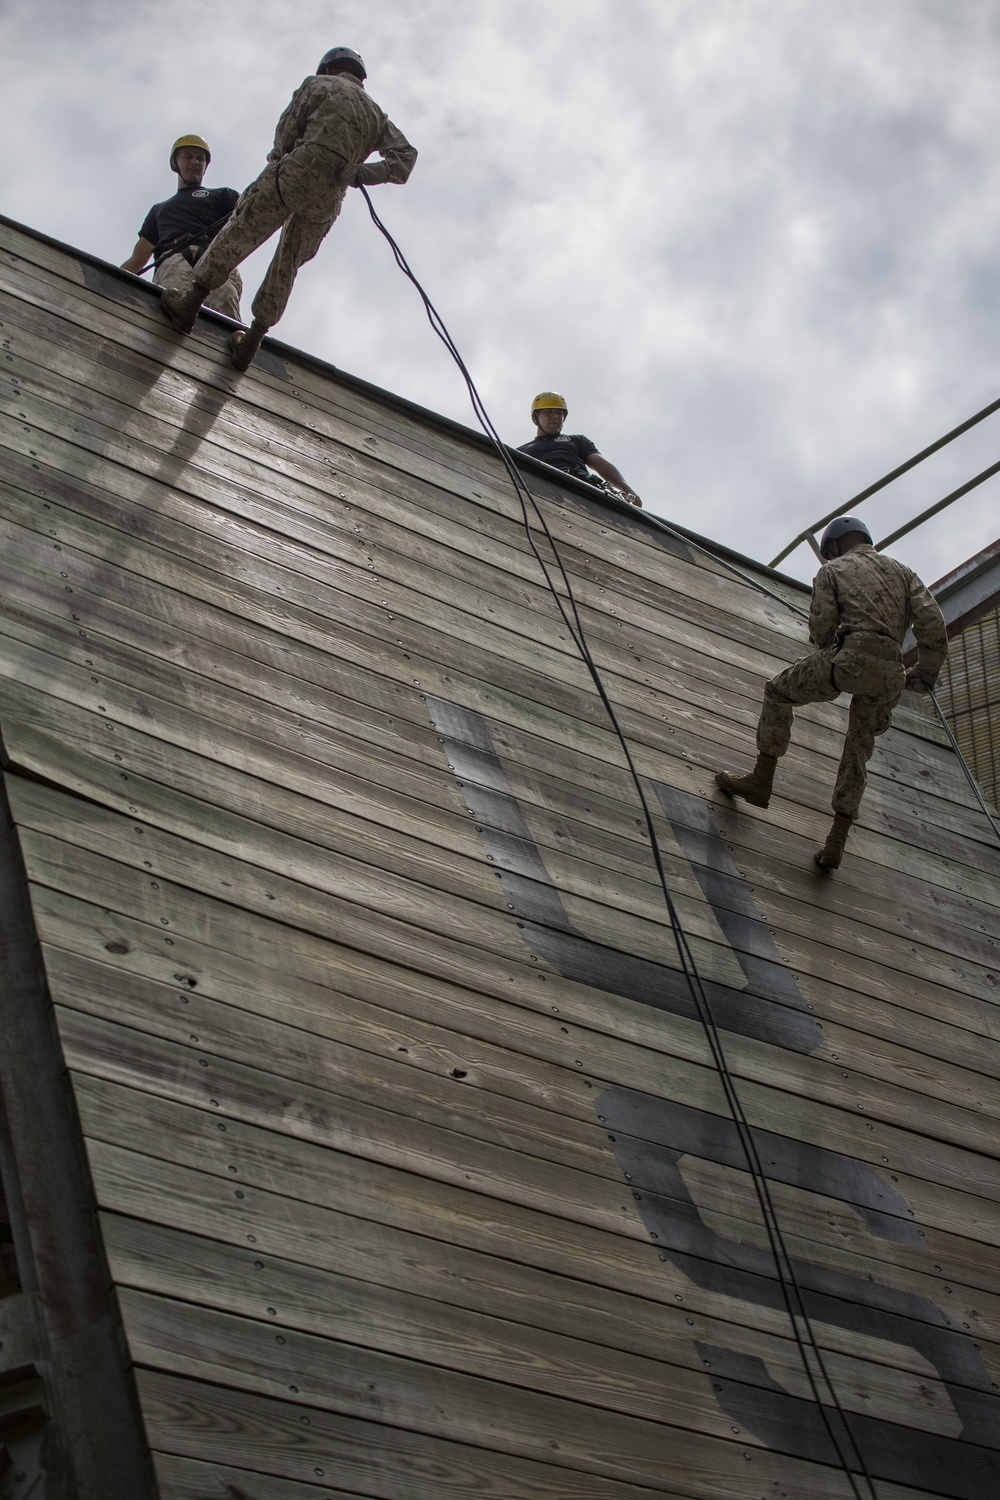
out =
column 787, row 1279
column 968, row 774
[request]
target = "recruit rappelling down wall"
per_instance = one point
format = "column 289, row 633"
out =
column 413, row 1168
column 321, row 148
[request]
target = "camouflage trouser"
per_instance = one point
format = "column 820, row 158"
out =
column 294, row 199
column 870, row 668
column 176, row 272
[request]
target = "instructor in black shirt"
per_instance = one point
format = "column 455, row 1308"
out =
column 174, row 233
column 573, row 453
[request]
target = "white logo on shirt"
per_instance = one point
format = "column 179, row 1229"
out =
column 200, row 193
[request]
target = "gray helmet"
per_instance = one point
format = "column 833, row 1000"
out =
column 343, row 57
column 838, row 528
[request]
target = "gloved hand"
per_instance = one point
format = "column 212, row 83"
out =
column 917, row 682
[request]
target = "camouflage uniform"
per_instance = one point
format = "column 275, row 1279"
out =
column 862, row 605
column 176, row 271
column 320, row 146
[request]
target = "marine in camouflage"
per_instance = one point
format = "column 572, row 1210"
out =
column 320, row 149
column 862, row 605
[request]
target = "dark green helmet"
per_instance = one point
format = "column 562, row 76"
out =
column 342, row 57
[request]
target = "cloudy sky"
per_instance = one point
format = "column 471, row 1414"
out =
column 755, row 242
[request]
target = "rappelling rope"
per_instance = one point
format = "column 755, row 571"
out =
column 791, row 1291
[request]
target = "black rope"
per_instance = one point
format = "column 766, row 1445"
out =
column 754, row 583
column 791, row 1291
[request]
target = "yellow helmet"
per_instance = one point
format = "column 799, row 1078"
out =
column 548, row 401
column 187, row 140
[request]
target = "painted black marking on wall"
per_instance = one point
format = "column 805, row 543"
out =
column 726, row 892
column 733, row 1268
column 695, row 1132
column 770, row 1009
column 925, row 1460
column 652, row 1136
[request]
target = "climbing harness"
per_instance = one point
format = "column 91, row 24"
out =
column 181, row 242
column 790, row 1289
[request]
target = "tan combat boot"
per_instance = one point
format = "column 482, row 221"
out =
column 832, row 851
column 181, row 308
column 756, row 786
column 244, row 345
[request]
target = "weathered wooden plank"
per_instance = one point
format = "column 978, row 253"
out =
column 487, row 1280
column 190, row 1479
column 287, row 1439
column 279, row 1314
column 637, row 539
column 387, row 746
column 201, row 358
column 174, row 685
column 228, row 560
column 312, row 963
column 429, row 813
column 87, row 574
column 595, row 509
column 134, row 792
column 306, row 439
column 341, row 1307
column 877, row 1143
column 350, row 878
column 218, row 1347
column 394, row 1011
column 386, row 560
column 472, row 907
column 152, row 1199
column 136, row 314
column 577, row 1176
column 293, row 1197
column 658, row 552
column 810, row 795
column 325, row 1092
column 581, row 882
column 529, row 1109
column 322, row 1117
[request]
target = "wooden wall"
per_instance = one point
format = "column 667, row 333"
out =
column 415, row 1178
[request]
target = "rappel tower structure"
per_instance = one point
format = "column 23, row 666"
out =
column 360, row 1133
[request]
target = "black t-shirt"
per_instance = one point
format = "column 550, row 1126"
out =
column 187, row 212
column 565, row 451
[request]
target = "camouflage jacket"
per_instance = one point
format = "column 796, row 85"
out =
column 866, row 591
column 332, row 127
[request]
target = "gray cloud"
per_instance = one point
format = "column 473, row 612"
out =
column 754, row 241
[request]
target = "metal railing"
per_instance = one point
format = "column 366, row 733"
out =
column 809, row 535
